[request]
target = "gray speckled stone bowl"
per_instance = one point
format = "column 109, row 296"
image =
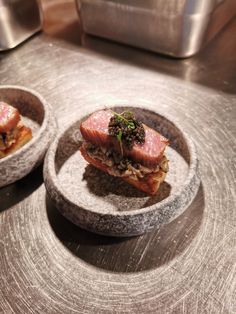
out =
column 36, row 114
column 106, row 205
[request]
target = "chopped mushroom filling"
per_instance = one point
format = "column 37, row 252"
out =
column 123, row 166
column 9, row 138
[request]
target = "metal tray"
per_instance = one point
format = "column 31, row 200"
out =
column 177, row 28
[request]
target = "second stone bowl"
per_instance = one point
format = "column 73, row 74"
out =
column 107, row 205
column 37, row 114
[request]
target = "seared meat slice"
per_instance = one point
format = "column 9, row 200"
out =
column 95, row 130
column 13, row 134
column 9, row 117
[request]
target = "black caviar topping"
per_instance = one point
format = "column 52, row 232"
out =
column 127, row 129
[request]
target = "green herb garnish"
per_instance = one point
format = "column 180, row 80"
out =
column 119, row 135
column 125, row 117
column 119, row 138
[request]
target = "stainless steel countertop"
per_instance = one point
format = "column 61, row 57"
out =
column 48, row 265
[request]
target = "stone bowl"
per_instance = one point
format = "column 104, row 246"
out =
column 35, row 113
column 106, row 205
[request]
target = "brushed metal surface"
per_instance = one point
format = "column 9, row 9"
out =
column 19, row 19
column 48, row 265
column 177, row 28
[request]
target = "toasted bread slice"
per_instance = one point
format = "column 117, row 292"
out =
column 149, row 184
column 25, row 136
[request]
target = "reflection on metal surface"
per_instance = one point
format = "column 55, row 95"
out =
column 19, row 19
column 49, row 266
column 177, row 28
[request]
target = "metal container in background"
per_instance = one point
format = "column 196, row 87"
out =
column 19, row 19
column 174, row 27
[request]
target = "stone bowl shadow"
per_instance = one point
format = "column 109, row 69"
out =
column 135, row 254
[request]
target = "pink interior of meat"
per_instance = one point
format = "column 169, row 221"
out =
column 95, row 130
column 5, row 113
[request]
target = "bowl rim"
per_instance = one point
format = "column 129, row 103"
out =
column 49, row 166
column 45, row 107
